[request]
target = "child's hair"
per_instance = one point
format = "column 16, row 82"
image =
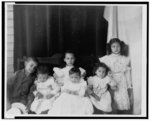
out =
column 75, row 70
column 69, row 51
column 31, row 58
column 42, row 69
column 115, row 40
column 97, row 65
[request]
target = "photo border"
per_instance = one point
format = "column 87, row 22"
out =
column 72, row 117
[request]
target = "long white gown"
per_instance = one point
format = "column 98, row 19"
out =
column 119, row 66
column 69, row 104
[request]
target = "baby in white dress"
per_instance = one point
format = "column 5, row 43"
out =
column 72, row 100
column 45, row 93
column 100, row 95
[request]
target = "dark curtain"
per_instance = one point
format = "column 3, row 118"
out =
column 43, row 31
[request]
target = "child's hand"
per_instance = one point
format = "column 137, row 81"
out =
column 49, row 96
column 66, row 91
column 50, row 86
column 60, row 84
column 113, row 87
column 74, row 92
column 89, row 91
column 39, row 95
column 55, row 76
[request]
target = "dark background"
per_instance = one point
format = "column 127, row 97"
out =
column 44, row 31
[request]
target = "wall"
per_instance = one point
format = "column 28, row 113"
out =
column 9, row 41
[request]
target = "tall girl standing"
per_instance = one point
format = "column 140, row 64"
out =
column 121, row 73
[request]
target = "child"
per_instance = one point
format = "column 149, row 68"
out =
column 18, row 86
column 72, row 100
column 120, row 70
column 62, row 75
column 100, row 95
column 45, row 92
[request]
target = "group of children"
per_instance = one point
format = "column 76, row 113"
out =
column 67, row 92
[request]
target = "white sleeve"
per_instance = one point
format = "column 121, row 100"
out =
column 104, row 59
column 83, row 72
column 58, row 71
column 128, row 72
column 82, row 89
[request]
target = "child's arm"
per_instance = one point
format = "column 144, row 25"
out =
column 55, row 90
column 31, row 97
column 83, row 88
column 111, row 81
column 128, row 77
column 95, row 96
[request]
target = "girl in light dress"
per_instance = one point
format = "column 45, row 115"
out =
column 62, row 74
column 98, row 84
column 120, row 70
column 71, row 100
column 45, row 93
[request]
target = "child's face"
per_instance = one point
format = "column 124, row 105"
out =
column 75, row 78
column 30, row 66
column 115, row 48
column 42, row 77
column 69, row 59
column 101, row 72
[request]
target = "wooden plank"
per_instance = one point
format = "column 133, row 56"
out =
column 10, row 46
column 9, row 7
column 10, row 31
column 9, row 74
column 10, row 68
column 10, row 39
column 10, row 15
column 10, row 61
column 10, row 54
column 10, row 23
column 10, row 34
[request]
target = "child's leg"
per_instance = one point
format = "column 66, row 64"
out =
column 14, row 111
column 97, row 111
column 45, row 112
column 113, row 103
column 124, row 112
column 31, row 112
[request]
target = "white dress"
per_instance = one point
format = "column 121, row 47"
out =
column 63, row 73
column 119, row 66
column 45, row 88
column 69, row 104
column 100, row 89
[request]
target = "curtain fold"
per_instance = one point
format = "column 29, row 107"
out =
column 45, row 30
